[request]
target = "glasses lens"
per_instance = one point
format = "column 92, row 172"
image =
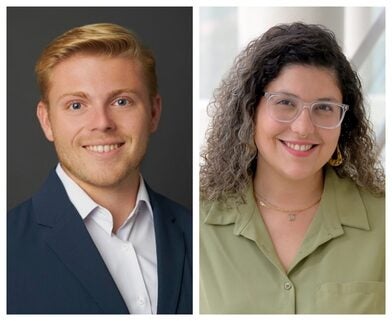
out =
column 283, row 108
column 326, row 114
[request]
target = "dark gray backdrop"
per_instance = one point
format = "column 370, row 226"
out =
column 167, row 31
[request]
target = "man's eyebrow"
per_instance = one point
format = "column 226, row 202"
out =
column 80, row 94
column 123, row 90
column 111, row 94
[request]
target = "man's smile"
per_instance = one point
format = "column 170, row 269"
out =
column 103, row 148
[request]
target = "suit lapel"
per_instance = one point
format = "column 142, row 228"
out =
column 66, row 234
column 170, row 254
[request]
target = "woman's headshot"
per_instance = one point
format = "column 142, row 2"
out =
column 292, row 203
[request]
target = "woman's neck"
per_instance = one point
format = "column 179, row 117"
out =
column 286, row 192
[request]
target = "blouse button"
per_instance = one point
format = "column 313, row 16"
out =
column 287, row 286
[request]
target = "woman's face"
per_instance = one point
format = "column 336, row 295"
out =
column 297, row 150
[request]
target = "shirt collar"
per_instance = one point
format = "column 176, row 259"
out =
column 341, row 204
column 84, row 204
column 343, row 197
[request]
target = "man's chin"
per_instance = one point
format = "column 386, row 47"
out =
column 106, row 180
column 103, row 178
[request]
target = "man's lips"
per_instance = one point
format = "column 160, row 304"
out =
column 103, row 148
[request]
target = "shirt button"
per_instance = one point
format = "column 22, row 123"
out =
column 140, row 301
column 287, row 286
column 125, row 247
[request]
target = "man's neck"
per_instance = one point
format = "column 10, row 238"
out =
column 118, row 199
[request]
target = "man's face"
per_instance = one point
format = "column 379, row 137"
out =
column 99, row 116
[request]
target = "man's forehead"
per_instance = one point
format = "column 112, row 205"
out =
column 102, row 57
column 81, row 71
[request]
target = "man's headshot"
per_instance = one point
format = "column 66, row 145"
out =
column 96, row 237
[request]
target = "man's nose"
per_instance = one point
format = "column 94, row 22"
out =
column 101, row 119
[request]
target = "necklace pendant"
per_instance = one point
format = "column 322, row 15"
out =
column 262, row 203
column 292, row 217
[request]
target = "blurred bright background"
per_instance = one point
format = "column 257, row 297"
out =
column 360, row 31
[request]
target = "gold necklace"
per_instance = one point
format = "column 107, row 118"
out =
column 292, row 214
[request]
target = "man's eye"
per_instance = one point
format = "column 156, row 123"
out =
column 75, row 106
column 121, row 102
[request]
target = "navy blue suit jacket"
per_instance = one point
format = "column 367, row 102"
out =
column 53, row 265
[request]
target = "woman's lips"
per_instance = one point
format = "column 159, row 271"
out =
column 299, row 148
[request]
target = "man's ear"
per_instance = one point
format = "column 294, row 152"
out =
column 155, row 113
column 43, row 117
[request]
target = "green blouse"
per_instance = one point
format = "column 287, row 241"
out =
column 339, row 268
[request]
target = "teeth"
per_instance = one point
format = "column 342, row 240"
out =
column 102, row 148
column 301, row 148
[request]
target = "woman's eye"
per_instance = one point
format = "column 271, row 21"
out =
column 75, row 106
column 286, row 102
column 324, row 107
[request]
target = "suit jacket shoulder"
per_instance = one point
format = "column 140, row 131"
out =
column 53, row 265
column 179, row 213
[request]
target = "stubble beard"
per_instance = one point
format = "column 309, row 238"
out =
column 108, row 176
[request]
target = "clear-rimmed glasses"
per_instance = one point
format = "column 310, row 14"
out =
column 286, row 108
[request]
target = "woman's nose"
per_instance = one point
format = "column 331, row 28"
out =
column 303, row 124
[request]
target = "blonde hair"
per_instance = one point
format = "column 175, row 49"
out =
column 101, row 38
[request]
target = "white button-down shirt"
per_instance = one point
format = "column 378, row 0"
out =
column 130, row 254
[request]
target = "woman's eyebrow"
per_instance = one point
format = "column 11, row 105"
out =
column 332, row 99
